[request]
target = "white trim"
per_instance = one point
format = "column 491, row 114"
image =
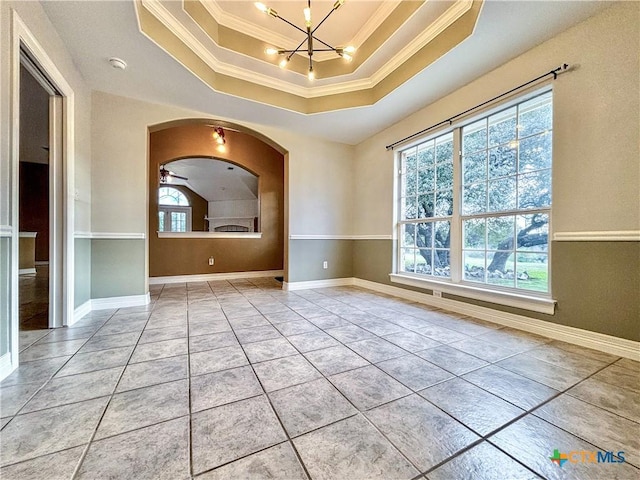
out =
column 577, row 336
column 516, row 300
column 340, row 237
column 598, row 236
column 26, row 271
column 6, row 230
column 6, row 366
column 207, row 277
column 81, row 311
column 41, row 263
column 27, row 234
column 162, row 14
column 209, row 234
column 331, row 282
column 120, row 302
column 110, row 235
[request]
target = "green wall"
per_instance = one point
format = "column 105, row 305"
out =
column 596, row 284
column 306, row 258
column 5, row 294
column 82, row 274
column 117, row 267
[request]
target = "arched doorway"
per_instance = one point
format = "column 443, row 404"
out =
column 234, row 222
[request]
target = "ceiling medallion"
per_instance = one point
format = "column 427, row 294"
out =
column 344, row 52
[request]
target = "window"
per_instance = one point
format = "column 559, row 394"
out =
column 481, row 217
column 174, row 213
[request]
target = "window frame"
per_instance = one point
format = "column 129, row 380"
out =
column 456, row 284
column 167, row 210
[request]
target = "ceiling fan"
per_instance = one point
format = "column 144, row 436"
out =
column 167, row 175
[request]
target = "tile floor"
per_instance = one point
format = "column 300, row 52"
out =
column 232, row 380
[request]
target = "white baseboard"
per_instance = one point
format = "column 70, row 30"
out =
column 80, row 312
column 120, row 302
column 26, row 271
column 331, row 282
column 209, row 277
column 6, row 367
column 585, row 338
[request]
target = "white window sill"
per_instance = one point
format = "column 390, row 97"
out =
column 516, row 300
column 209, row 234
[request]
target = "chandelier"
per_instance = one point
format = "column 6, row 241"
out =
column 344, row 52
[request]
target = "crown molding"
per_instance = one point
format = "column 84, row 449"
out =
column 279, row 41
column 452, row 14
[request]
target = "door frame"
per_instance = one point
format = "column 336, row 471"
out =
column 61, row 173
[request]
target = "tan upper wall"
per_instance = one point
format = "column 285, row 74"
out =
column 319, row 172
column 596, row 127
column 32, row 14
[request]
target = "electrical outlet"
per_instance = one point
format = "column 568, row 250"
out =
column 437, row 293
column 325, row 264
column 211, row 261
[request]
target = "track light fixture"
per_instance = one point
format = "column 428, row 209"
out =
column 345, row 52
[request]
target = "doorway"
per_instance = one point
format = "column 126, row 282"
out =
column 38, row 139
column 33, row 209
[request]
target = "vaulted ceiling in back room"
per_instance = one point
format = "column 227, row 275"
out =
column 361, row 50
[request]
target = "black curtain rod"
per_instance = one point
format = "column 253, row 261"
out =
column 450, row 120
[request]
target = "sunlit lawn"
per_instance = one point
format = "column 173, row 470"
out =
column 538, row 275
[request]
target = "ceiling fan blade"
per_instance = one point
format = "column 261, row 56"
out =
column 178, row 176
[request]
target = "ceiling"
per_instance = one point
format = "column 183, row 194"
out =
column 215, row 180
column 93, row 31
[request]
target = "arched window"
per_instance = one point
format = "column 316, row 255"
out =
column 172, row 196
column 174, row 212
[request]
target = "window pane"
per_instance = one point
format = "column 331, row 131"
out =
column 444, row 149
column 444, row 203
column 534, row 189
column 474, row 233
column 426, row 180
column 409, row 183
column 474, row 266
column 474, row 199
column 474, row 137
column 502, row 194
column 161, row 221
column 535, row 152
column 500, row 232
column 408, row 235
column 409, row 162
column 424, row 235
column 535, row 115
column 532, row 271
column 425, row 206
column 444, row 175
column 442, row 263
column 442, row 237
column 407, row 260
column 502, row 161
column 501, row 268
column 178, row 222
column 533, row 233
column 502, row 127
column 474, row 167
column 425, row 156
column 408, row 208
column 424, row 262
column 172, row 196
